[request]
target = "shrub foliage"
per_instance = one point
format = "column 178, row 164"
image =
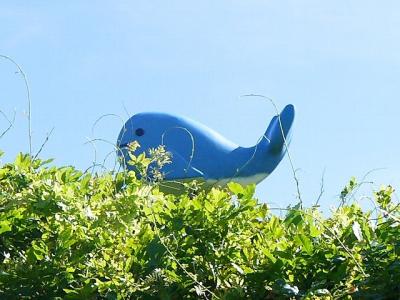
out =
column 71, row 235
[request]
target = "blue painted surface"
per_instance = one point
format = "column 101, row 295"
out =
column 200, row 152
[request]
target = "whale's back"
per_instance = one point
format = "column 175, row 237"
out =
column 206, row 136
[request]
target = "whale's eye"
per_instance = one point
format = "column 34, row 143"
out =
column 139, row 131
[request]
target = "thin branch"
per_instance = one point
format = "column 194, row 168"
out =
column 104, row 116
column 10, row 123
column 363, row 181
column 321, row 191
column 126, row 110
column 44, row 143
column 93, row 143
column 28, row 94
column 93, row 166
column 94, row 163
column 191, row 138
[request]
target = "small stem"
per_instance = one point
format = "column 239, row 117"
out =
column 28, row 94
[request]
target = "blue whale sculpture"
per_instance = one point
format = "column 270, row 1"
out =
column 199, row 152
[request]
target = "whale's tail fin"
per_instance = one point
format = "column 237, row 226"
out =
column 279, row 128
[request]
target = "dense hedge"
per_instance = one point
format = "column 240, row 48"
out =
column 67, row 234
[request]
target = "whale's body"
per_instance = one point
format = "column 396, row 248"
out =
column 199, row 152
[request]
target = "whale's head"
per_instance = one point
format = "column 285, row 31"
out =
column 148, row 129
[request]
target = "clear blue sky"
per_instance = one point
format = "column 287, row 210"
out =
column 337, row 61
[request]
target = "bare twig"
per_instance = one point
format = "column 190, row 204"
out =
column 93, row 143
column 126, row 110
column 94, row 163
column 104, row 116
column 10, row 123
column 44, row 143
column 28, row 94
column 93, row 166
column 191, row 139
column 363, row 181
column 321, row 191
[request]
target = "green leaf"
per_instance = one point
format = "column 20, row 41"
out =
column 4, row 226
column 22, row 161
column 305, row 242
column 294, row 217
column 85, row 181
column 235, row 188
column 314, row 231
column 209, row 206
column 70, row 292
column 249, row 191
column 3, row 173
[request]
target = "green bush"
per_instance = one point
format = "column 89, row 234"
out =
column 73, row 235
